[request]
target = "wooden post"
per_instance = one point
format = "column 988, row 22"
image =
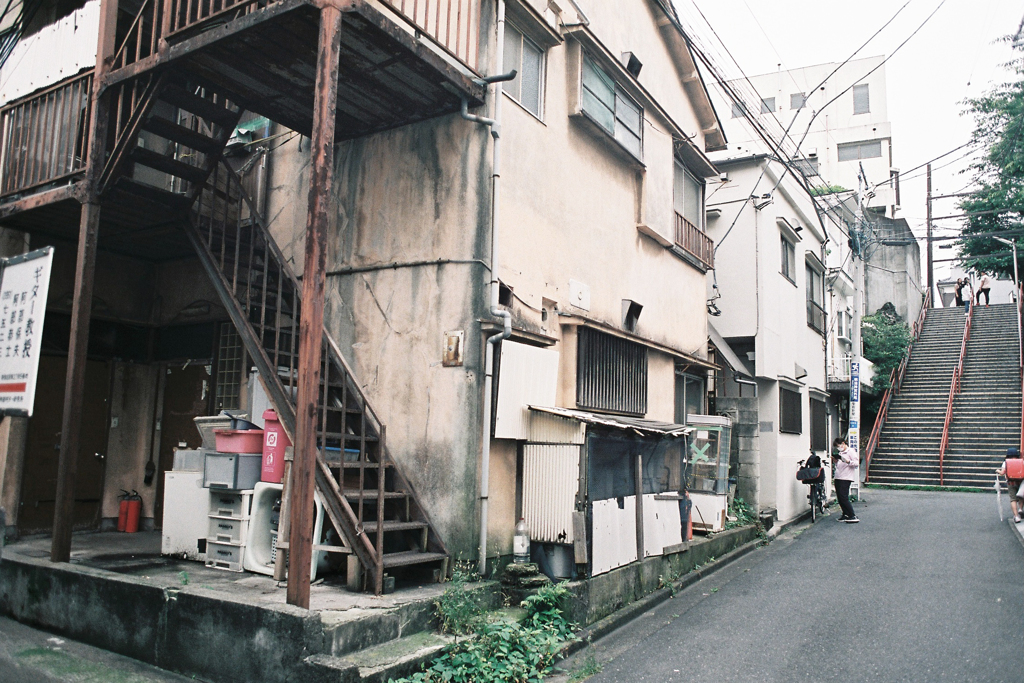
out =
column 81, row 307
column 311, row 322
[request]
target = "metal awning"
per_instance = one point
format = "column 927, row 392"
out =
column 730, row 356
column 632, row 424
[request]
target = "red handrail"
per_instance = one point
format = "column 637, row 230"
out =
column 895, row 382
column 954, row 389
column 1020, row 357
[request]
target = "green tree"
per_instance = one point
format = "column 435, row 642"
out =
column 885, row 336
column 997, row 203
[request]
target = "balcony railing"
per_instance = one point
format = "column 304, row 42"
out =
column 454, row 25
column 43, row 137
column 816, row 316
column 695, row 242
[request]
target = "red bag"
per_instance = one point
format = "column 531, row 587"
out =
column 1014, row 468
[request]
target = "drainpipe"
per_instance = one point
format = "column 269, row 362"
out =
column 495, row 310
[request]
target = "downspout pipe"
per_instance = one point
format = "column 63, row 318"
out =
column 495, row 310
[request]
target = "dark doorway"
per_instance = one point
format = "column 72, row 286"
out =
column 42, row 448
column 187, row 392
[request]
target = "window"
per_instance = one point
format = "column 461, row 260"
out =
column 854, row 151
column 797, row 100
column 768, row 105
column 690, row 396
column 611, row 108
column 861, row 99
column 815, row 299
column 229, row 369
column 527, row 58
column 819, row 422
column 611, row 373
column 790, row 416
column 738, row 110
column 688, row 196
column 788, row 260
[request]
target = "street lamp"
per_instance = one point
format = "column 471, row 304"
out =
column 1016, row 287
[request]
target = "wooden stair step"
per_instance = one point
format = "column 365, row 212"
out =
column 372, row 495
column 370, row 527
column 159, row 162
column 182, row 135
column 410, row 557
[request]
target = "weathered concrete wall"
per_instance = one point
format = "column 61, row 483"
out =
column 745, row 458
column 602, row 595
column 133, row 394
column 190, row 631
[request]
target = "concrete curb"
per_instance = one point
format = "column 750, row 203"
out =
column 623, row 616
column 1016, row 529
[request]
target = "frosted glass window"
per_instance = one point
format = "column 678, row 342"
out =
column 527, row 59
column 861, row 99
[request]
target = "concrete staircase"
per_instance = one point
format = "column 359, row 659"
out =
column 986, row 413
column 908, row 447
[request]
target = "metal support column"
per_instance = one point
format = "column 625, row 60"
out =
column 81, row 308
column 311, row 322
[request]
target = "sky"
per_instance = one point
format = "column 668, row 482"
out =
column 954, row 56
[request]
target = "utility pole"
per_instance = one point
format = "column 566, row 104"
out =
column 928, row 219
column 853, row 434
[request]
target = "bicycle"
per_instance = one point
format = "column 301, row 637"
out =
column 813, row 474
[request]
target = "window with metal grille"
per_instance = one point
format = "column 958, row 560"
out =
column 808, row 167
column 819, row 422
column 861, row 99
column 229, row 368
column 611, row 373
column 791, row 418
column 855, row 151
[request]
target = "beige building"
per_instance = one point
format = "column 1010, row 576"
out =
column 567, row 211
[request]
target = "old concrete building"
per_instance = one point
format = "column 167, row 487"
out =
column 561, row 211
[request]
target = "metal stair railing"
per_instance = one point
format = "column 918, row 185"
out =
column 954, row 389
column 895, row 383
column 1020, row 360
column 261, row 294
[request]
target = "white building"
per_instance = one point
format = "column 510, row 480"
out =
column 843, row 116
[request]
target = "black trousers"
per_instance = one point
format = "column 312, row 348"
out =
column 843, row 494
column 985, row 292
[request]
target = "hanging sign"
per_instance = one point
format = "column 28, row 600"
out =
column 24, row 282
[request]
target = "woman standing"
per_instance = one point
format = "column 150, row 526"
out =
column 846, row 473
column 958, row 293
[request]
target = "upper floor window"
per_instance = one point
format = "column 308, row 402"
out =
column 608, row 105
column 523, row 55
column 738, row 110
column 854, row 151
column 791, row 419
column 788, row 259
column 815, row 286
column 688, row 196
column 768, row 105
column 861, row 99
column 797, row 100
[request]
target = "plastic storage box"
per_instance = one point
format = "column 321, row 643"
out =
column 235, row 471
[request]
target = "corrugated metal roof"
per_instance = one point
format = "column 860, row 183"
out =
column 634, row 424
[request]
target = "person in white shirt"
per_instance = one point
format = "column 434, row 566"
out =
column 846, row 473
column 983, row 288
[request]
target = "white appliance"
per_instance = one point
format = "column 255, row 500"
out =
column 185, row 524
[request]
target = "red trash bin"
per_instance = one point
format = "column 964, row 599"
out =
column 274, row 442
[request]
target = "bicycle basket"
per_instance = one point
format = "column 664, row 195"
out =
column 811, row 475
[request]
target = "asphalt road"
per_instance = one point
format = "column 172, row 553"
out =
column 928, row 587
column 28, row 655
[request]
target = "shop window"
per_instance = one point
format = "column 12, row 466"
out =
column 790, row 415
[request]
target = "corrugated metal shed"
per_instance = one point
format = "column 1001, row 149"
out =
column 633, row 424
column 550, row 484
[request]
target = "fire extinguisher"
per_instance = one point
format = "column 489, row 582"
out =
column 133, row 509
column 122, row 510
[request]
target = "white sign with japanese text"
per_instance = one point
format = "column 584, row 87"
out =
column 24, row 282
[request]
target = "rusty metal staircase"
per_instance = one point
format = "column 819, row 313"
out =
column 364, row 492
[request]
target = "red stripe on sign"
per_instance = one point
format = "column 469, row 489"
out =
column 12, row 387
